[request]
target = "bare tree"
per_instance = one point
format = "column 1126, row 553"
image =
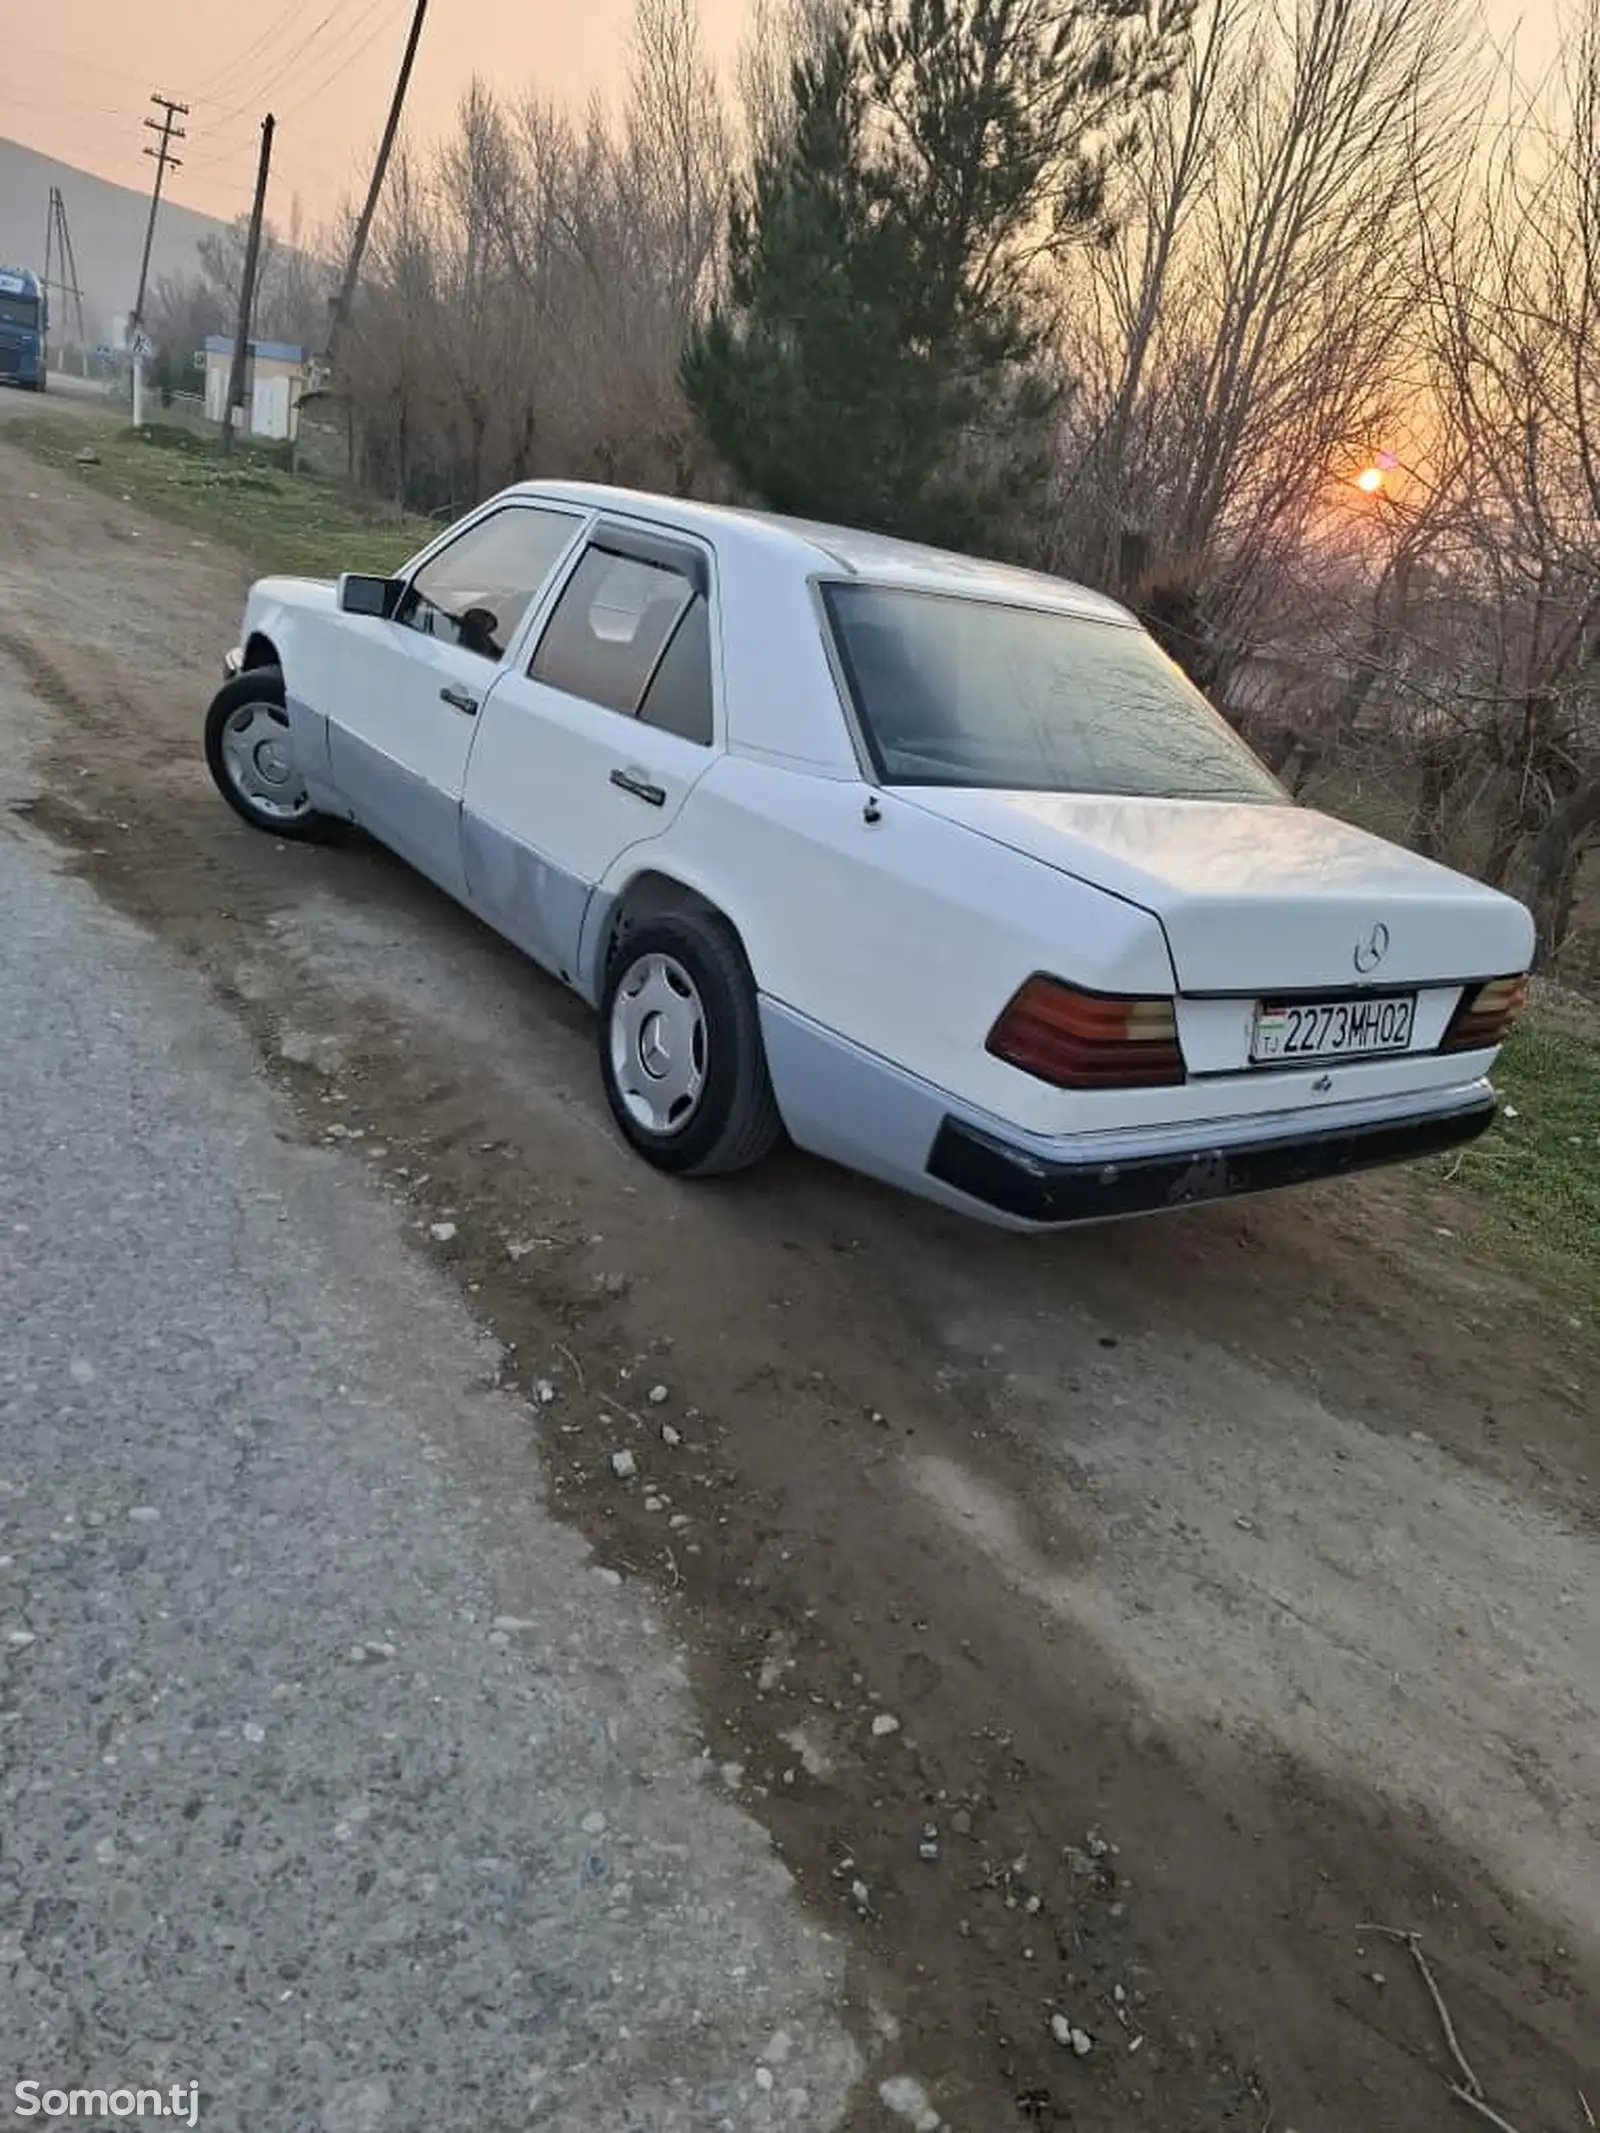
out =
column 1244, row 336
column 291, row 279
column 1513, row 290
column 782, row 34
column 536, row 279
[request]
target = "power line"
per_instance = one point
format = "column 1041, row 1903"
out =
column 394, row 9
column 75, row 60
column 343, row 54
column 281, row 71
column 62, row 106
column 170, row 131
column 301, row 159
column 253, row 52
column 343, row 58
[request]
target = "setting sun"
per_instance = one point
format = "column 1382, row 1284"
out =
column 1370, row 480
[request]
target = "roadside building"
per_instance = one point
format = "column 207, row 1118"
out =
column 274, row 379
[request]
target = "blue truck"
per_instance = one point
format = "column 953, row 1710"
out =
column 24, row 322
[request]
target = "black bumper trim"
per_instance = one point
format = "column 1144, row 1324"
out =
column 1030, row 1188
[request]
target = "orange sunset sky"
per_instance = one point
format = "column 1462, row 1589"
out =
column 75, row 76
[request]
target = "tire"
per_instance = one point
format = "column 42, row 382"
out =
column 681, row 1057
column 250, row 756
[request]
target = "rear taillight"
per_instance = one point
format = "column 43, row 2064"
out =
column 1085, row 1040
column 1485, row 1015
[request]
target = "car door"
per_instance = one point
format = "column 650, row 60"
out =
column 595, row 742
column 408, row 690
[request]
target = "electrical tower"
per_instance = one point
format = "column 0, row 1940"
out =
column 58, row 248
column 169, row 129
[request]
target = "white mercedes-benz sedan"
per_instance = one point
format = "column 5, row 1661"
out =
column 938, row 867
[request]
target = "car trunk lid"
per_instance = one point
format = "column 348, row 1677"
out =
column 1259, row 898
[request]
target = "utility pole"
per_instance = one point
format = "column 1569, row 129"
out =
column 170, row 131
column 58, row 246
column 247, row 286
column 69, row 256
column 341, row 303
column 49, row 240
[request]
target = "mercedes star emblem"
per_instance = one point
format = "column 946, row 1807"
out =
column 1371, row 949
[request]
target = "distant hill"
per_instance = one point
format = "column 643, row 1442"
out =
column 107, row 224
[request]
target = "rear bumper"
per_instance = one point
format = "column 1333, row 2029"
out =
column 1028, row 1186
column 859, row 1109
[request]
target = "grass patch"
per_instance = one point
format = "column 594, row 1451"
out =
column 281, row 522
column 1540, row 1167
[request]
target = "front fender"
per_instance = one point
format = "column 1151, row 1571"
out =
column 296, row 618
column 279, row 610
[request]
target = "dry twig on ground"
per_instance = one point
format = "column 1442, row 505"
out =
column 1471, row 2089
column 1484, row 2110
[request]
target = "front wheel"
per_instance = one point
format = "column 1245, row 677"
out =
column 681, row 1056
column 250, row 754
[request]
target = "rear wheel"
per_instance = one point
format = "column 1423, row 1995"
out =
column 250, row 753
column 681, row 1056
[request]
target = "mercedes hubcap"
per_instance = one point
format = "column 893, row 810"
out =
column 658, row 1044
column 260, row 761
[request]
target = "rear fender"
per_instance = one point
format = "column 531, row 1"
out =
column 902, row 934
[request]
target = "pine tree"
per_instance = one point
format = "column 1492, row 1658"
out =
column 803, row 380
column 883, row 353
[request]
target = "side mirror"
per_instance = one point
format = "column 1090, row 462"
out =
column 369, row 596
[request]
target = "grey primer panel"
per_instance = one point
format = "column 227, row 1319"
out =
column 846, row 1104
column 401, row 810
column 538, row 906
column 590, row 974
column 308, row 738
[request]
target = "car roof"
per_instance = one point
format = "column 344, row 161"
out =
column 810, row 545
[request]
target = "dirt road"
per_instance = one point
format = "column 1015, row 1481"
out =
column 1232, row 1580
column 84, row 398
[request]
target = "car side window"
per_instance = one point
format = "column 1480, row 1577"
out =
column 632, row 636
column 678, row 699
column 476, row 591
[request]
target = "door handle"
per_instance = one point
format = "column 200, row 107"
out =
column 639, row 785
column 459, row 700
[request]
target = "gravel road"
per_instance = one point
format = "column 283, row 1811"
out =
column 328, row 1782
column 1087, row 1636
column 84, row 398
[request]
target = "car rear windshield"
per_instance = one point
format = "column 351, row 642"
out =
column 955, row 691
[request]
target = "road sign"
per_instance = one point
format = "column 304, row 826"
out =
column 141, row 347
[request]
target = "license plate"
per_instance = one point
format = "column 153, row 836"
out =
column 1331, row 1029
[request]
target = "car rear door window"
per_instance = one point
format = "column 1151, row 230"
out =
column 632, row 635
column 476, row 591
column 678, row 699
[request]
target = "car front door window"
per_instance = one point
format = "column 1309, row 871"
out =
column 475, row 592
column 610, row 627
